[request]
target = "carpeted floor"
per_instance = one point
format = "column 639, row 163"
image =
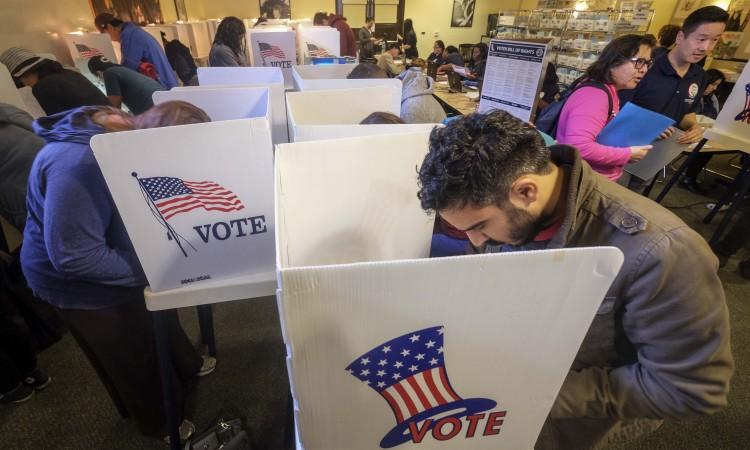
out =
column 250, row 381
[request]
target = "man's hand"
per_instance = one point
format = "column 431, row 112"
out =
column 692, row 134
column 666, row 133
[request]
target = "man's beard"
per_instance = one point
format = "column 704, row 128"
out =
column 523, row 226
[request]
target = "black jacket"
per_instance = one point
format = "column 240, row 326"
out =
column 66, row 90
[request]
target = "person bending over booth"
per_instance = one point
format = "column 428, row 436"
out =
column 386, row 62
column 659, row 345
column 125, row 86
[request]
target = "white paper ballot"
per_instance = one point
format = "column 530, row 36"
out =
column 664, row 152
column 460, row 70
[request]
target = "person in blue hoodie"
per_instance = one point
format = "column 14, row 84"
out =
column 77, row 256
column 139, row 49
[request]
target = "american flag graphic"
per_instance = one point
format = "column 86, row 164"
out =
column 744, row 115
column 173, row 196
column 314, row 50
column 87, row 52
column 409, row 372
column 270, row 51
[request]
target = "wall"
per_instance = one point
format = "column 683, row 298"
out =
column 434, row 16
column 39, row 24
column 248, row 9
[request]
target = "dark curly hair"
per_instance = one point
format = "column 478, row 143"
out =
column 475, row 160
column 231, row 32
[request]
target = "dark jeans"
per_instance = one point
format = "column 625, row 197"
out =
column 119, row 343
column 17, row 357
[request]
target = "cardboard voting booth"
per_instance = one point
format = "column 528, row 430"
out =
column 196, row 37
column 323, row 132
column 273, row 47
column 223, row 103
column 270, row 77
column 387, row 349
column 213, row 25
column 338, row 107
column 317, row 41
column 324, row 76
column 8, row 90
column 732, row 126
column 86, row 45
column 196, row 200
column 170, row 33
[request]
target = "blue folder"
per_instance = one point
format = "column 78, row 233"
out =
column 633, row 125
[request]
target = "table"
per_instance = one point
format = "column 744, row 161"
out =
column 202, row 295
column 457, row 103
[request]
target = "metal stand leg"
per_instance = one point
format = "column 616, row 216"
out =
column 691, row 157
column 206, row 322
column 165, row 372
column 731, row 191
column 730, row 213
column 650, row 186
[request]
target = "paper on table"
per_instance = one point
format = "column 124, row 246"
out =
column 472, row 95
column 664, row 152
column 460, row 70
column 633, row 125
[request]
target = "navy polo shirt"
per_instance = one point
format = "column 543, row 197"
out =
column 662, row 90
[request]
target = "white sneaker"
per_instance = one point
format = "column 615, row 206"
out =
column 208, row 366
column 187, row 429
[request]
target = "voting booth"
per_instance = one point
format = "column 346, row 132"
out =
column 270, row 77
column 8, row 90
column 470, row 350
column 170, row 33
column 333, row 76
column 273, row 47
column 196, row 35
column 196, row 200
column 322, row 132
column 223, row 103
column 732, row 126
column 86, row 45
column 338, row 107
column 317, row 41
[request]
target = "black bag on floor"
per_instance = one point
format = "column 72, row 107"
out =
column 225, row 435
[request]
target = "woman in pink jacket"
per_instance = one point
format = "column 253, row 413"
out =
column 621, row 65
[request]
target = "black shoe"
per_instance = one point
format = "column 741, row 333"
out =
column 691, row 184
column 38, row 379
column 20, row 394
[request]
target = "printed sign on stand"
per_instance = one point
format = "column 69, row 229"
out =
column 513, row 77
column 274, row 47
column 339, row 106
column 196, row 200
column 270, row 77
column 732, row 126
column 464, row 352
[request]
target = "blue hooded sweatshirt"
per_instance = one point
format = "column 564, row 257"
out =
column 137, row 45
column 76, row 253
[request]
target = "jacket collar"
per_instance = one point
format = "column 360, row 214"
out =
column 580, row 184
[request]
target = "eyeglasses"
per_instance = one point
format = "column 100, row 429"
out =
column 640, row 62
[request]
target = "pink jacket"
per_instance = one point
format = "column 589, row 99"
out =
column 582, row 119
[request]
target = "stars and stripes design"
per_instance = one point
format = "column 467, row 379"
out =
column 744, row 115
column 409, row 372
column 314, row 50
column 270, row 51
column 173, row 196
column 87, row 52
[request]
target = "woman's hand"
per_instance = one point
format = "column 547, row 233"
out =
column 638, row 152
column 666, row 133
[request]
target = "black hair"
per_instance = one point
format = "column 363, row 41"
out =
column 668, row 35
column 369, row 19
column 484, row 49
column 319, row 17
column 380, row 117
column 46, row 67
column 476, row 159
column 367, row 70
column 408, row 27
column 103, row 19
column 652, row 42
column 713, row 75
column 440, row 44
column 451, row 49
column 707, row 14
column 231, row 32
column 392, row 45
column 616, row 53
column 100, row 64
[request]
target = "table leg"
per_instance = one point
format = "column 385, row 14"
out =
column 731, row 211
column 206, row 323
column 650, row 186
column 165, row 372
column 691, row 157
column 731, row 190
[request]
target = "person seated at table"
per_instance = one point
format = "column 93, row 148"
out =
column 709, row 103
column 438, row 48
column 366, row 70
column 418, row 105
column 230, row 46
column 451, row 57
column 125, row 86
column 382, row 118
column 621, row 65
column 478, row 62
column 77, row 256
column 386, row 62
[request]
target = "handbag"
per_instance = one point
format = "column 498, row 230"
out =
column 225, row 435
column 148, row 69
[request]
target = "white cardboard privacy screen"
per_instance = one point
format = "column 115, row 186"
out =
column 86, row 45
column 339, row 106
column 8, row 90
column 323, row 76
column 351, row 200
column 321, row 132
column 478, row 337
column 223, row 103
column 732, row 127
column 274, row 47
column 170, row 32
column 201, row 207
column 317, row 41
column 270, row 77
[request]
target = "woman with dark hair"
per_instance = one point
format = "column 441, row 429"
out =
column 229, row 48
column 437, row 53
column 621, row 65
column 478, row 61
column 55, row 88
column 709, row 102
column 409, row 40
